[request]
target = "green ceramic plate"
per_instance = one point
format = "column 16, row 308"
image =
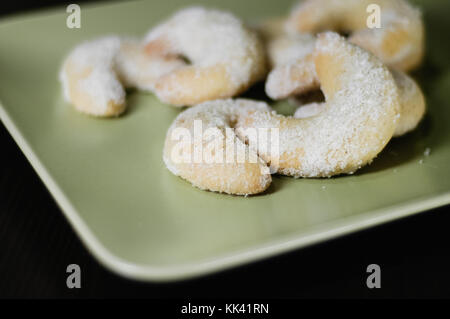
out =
column 141, row 221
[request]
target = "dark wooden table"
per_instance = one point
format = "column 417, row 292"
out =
column 37, row 244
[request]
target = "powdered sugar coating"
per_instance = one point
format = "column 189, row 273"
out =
column 94, row 74
column 293, row 68
column 295, row 74
column 411, row 98
column 286, row 49
column 95, row 61
column 232, row 176
column 398, row 43
column 226, row 56
column 359, row 119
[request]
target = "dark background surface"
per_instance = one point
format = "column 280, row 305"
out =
column 37, row 244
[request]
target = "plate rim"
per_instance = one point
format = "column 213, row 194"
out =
column 314, row 235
